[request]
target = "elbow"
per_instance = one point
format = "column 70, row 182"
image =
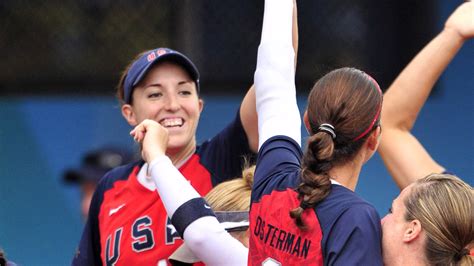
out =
column 195, row 240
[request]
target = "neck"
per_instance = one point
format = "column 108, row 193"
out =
column 409, row 257
column 347, row 174
column 410, row 253
column 179, row 156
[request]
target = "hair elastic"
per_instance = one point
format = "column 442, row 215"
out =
column 328, row 128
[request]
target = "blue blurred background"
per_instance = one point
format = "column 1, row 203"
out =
column 43, row 135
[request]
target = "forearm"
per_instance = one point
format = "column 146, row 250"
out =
column 408, row 93
column 248, row 109
column 210, row 242
column 173, row 188
column 274, row 78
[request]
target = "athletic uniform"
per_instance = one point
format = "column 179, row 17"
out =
column 127, row 223
column 342, row 229
column 193, row 219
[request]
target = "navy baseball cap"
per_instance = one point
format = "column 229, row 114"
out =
column 140, row 67
column 96, row 163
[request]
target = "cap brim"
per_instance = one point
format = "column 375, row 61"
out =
column 174, row 57
column 72, row 176
column 77, row 176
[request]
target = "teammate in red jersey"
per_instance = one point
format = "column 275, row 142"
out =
column 193, row 218
column 306, row 213
column 127, row 223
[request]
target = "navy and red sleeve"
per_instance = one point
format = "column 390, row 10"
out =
column 278, row 166
column 223, row 155
column 355, row 238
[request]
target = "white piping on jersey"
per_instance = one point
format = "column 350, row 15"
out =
column 334, row 182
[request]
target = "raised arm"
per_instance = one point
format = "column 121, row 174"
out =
column 190, row 214
column 248, row 109
column 278, row 112
column 404, row 156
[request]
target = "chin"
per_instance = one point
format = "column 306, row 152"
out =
column 176, row 144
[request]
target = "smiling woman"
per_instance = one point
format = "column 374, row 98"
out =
column 168, row 95
column 160, row 85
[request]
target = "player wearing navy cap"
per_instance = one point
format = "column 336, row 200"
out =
column 304, row 210
column 94, row 165
column 127, row 223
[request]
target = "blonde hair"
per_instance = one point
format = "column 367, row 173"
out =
column 444, row 205
column 233, row 195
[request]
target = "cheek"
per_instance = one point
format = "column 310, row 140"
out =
column 386, row 222
column 193, row 110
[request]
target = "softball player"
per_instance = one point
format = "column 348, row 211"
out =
column 304, row 210
column 127, row 223
column 191, row 215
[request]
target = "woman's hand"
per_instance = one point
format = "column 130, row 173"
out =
column 462, row 21
column 153, row 139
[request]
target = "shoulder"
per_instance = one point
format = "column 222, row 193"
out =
column 351, row 229
column 278, row 166
column 345, row 208
column 280, row 147
column 116, row 174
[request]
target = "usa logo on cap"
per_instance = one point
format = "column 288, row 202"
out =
column 151, row 56
column 161, row 52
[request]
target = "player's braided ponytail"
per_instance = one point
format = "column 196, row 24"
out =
column 343, row 108
column 315, row 182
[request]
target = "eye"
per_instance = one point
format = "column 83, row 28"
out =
column 155, row 95
column 185, row 92
column 390, row 210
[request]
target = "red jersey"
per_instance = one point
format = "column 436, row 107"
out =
column 128, row 224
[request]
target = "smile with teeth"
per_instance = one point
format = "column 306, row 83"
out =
column 172, row 122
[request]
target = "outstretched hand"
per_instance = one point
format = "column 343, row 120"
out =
column 462, row 20
column 153, row 139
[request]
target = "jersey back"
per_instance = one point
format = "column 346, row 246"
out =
column 336, row 228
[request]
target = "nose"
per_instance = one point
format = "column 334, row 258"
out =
column 172, row 103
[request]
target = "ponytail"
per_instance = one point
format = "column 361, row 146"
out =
column 343, row 108
column 315, row 181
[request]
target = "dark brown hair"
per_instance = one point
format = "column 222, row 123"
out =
column 350, row 101
column 120, row 90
